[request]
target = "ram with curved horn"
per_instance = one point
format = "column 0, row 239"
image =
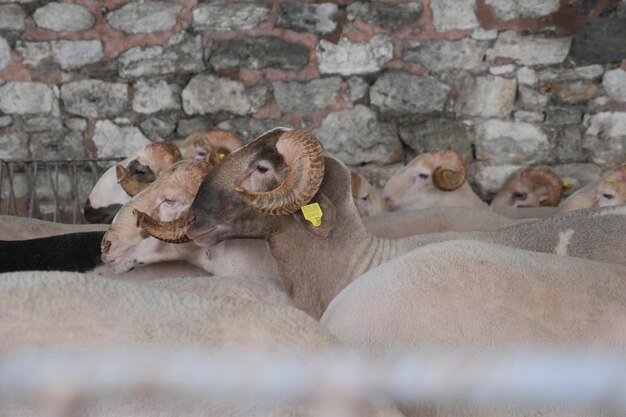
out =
column 610, row 190
column 536, row 186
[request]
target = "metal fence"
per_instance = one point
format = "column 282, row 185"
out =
column 53, row 190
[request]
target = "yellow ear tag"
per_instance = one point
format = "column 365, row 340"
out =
column 568, row 185
column 313, row 213
column 221, row 155
column 446, row 175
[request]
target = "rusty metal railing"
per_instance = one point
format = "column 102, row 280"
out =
column 52, row 190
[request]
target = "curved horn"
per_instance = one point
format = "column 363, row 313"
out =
column 451, row 173
column 546, row 177
column 128, row 184
column 304, row 154
column 174, row 231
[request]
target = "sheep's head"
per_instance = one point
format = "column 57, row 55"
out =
column 367, row 198
column 530, row 187
column 125, row 244
column 126, row 179
column 610, row 190
column 439, row 171
column 209, row 145
column 255, row 191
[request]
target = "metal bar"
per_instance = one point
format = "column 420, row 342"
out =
column 11, row 168
column 32, row 187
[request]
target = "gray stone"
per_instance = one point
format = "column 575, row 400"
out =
column 306, row 97
column 145, row 17
column 222, row 16
column 5, row 53
column 487, row 96
column 64, row 17
column 59, row 144
column 12, row 17
column 152, row 96
column 258, row 95
column 557, row 74
column 210, row 94
column 386, row 15
column 157, row 128
column 489, row 179
column 186, row 126
column 577, row 174
column 42, row 124
column 356, row 136
column 442, row 54
column 183, row 54
column 357, row 89
column 531, row 99
column 248, row 129
column 529, row 116
column 5, row 121
column 590, row 72
column 614, row 83
column 36, row 54
column 113, row 140
column 516, row 9
column 527, row 76
column 13, row 145
column 602, row 41
column 259, row 52
column 502, row 69
column 499, row 143
column 605, row 138
column 351, row 58
column 316, row 18
column 453, row 14
column 21, row 97
column 75, row 54
column 94, row 98
column 436, row 133
column 569, row 146
column 564, row 115
column 530, row 49
column 481, row 34
column 75, row 123
column 401, row 92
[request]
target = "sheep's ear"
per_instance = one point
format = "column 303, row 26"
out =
column 327, row 220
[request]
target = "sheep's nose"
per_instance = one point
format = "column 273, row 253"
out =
column 105, row 247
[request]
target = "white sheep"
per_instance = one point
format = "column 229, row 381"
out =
column 368, row 199
column 610, row 190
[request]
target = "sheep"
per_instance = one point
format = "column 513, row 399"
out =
column 22, row 228
column 367, row 198
column 79, row 313
column 439, row 179
column 610, row 190
column 120, row 182
column 258, row 193
column 200, row 145
column 124, row 246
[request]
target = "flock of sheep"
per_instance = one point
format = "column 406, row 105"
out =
column 442, row 270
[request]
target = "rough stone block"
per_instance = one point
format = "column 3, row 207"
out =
column 590, row 72
column 357, row 89
column 12, row 17
column 76, row 123
column 401, row 92
column 152, row 96
column 259, row 52
column 530, row 49
column 454, row 14
column 210, row 94
column 248, row 129
column 64, row 17
column 386, row 15
column 258, row 95
column 13, row 145
column 5, row 121
column 75, row 54
column 56, row 144
column 36, row 54
column 42, row 124
column 570, row 92
column 22, row 97
column 605, row 138
column 602, row 41
column 146, row 17
column 531, row 99
column 306, row 97
column 502, row 69
column 487, row 96
column 564, row 115
column 436, row 133
column 442, row 54
column 183, row 54
column 158, row 128
column 5, row 53
column 113, row 140
column 481, row 34
column 614, row 83
column 489, row 179
column 516, row 9
column 529, row 116
column 527, row 76
column 356, row 136
column 352, row 58
column 230, row 16
column 94, row 98
column 499, row 143
column 186, row 126
column 305, row 17
column 569, row 146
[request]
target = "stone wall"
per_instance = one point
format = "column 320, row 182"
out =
column 504, row 82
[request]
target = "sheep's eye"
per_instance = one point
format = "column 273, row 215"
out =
column 169, row 201
column 608, row 196
column 423, row 176
column 520, row 196
column 262, row 169
column 365, row 197
column 202, row 153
